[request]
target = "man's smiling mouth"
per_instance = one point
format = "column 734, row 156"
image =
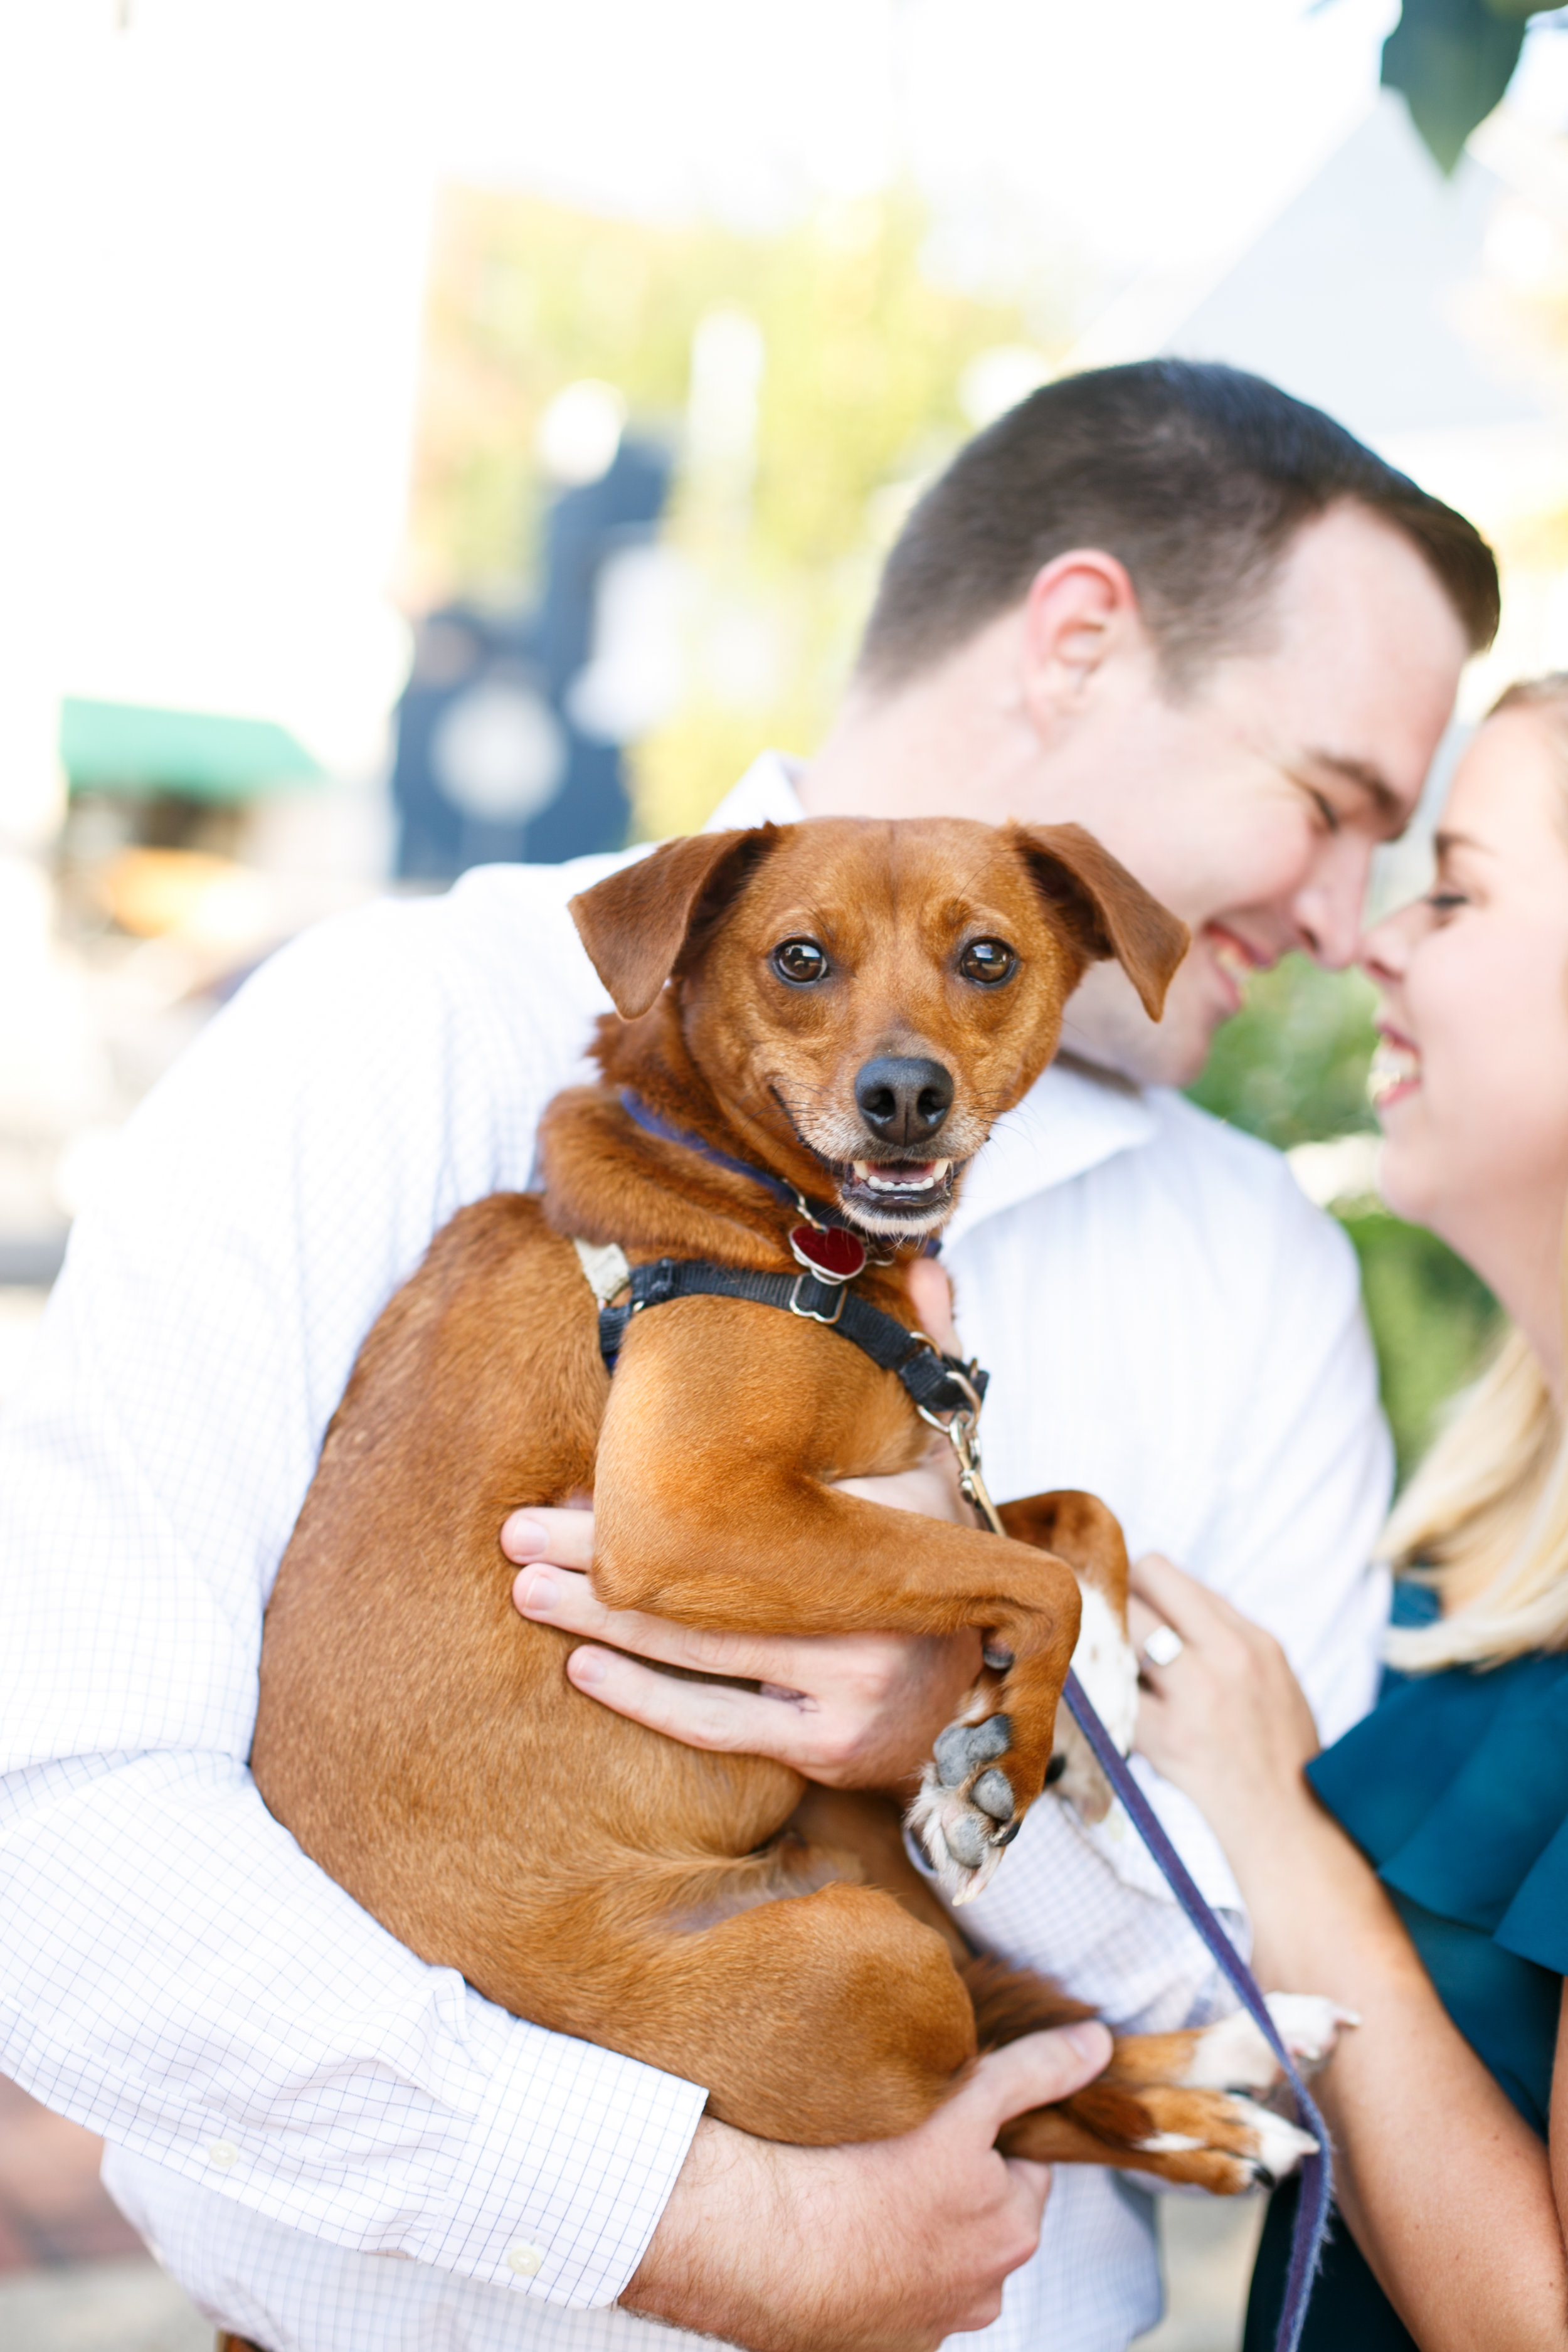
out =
column 1233, row 961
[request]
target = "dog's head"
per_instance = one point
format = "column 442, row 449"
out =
column 867, row 997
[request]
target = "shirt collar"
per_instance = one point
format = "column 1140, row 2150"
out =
column 764, row 795
column 1069, row 1121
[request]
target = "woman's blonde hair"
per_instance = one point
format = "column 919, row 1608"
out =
column 1485, row 1518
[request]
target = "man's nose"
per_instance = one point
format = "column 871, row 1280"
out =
column 903, row 1099
column 1328, row 912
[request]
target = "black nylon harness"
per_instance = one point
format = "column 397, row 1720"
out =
column 936, row 1384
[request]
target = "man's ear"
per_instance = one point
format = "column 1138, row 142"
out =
column 637, row 924
column 1104, row 911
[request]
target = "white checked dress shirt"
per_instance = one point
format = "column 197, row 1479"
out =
column 289, row 2096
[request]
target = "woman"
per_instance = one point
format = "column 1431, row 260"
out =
column 1418, row 1871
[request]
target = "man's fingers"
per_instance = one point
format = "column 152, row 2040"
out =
column 1039, row 2068
column 564, row 1538
column 1034, row 2181
column 931, row 1294
column 700, row 1714
column 553, row 1597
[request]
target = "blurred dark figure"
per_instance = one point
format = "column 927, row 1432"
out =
column 509, row 734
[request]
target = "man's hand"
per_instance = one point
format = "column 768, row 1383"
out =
column 887, row 2246
column 852, row 1710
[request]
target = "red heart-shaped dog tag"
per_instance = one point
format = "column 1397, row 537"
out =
column 830, row 1253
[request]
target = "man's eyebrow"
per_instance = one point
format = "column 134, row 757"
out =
column 1369, row 780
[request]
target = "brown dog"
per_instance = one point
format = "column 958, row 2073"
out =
column 850, row 1007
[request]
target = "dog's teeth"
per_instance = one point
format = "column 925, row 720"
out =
column 932, row 1172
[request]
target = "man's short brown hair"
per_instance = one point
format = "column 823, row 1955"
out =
column 1197, row 477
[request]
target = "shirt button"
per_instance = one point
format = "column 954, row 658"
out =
column 224, row 2154
column 524, row 2260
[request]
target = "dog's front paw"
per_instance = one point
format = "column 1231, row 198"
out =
column 1308, row 2025
column 965, row 1814
column 1232, row 2054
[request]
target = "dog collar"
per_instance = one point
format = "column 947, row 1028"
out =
column 648, row 1119
column 939, row 1386
column 823, row 1243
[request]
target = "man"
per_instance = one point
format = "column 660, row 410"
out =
column 1167, row 602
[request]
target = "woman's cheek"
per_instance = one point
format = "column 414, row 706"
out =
column 1439, row 1138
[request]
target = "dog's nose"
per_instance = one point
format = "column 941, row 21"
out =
column 902, row 1099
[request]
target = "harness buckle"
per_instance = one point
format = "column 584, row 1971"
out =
column 812, row 1314
column 961, row 1430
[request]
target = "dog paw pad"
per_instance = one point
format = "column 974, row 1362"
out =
column 963, row 1747
column 993, row 1792
column 965, row 1812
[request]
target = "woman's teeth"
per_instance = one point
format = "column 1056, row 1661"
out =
column 1392, row 1065
column 914, row 1176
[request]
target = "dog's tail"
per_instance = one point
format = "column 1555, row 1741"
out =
column 1010, row 2002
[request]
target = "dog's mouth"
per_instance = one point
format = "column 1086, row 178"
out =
column 898, row 1194
column 896, row 1199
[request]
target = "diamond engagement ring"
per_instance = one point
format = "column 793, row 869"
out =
column 1164, row 1646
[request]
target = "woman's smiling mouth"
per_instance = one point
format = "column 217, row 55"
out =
column 1394, row 1070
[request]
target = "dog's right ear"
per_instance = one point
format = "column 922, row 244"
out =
column 638, row 924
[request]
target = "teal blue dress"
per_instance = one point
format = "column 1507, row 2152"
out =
column 1456, row 1789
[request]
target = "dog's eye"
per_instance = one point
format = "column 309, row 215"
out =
column 988, row 962
column 800, row 961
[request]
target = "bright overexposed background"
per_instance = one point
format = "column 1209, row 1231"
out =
column 313, row 310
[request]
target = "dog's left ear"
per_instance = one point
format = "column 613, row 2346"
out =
column 1104, row 910
column 637, row 924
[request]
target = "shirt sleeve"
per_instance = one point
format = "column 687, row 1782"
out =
column 1308, row 1470
column 177, row 1975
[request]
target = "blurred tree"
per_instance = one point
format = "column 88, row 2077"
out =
column 1291, row 1067
column 1451, row 60
column 796, row 464
column 1432, row 1322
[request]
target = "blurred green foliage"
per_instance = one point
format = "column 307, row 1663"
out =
column 1291, row 1067
column 1452, row 60
column 1432, row 1320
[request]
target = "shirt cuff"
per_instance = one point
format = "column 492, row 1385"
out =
column 569, row 2163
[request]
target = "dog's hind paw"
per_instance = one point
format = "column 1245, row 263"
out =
column 1258, row 2149
column 965, row 1814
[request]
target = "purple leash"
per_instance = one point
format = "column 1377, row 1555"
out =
column 1317, row 2179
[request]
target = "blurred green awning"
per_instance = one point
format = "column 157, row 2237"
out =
column 130, row 747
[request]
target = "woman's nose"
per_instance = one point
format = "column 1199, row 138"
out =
column 1383, row 953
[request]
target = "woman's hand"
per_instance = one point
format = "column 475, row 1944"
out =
column 1225, row 1720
